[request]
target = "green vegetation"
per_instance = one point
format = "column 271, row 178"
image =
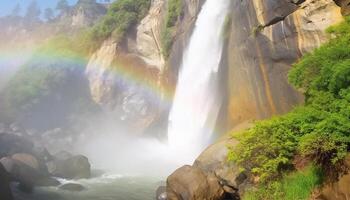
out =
column 120, row 18
column 295, row 186
column 319, row 130
column 175, row 10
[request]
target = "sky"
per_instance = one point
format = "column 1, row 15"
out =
column 6, row 6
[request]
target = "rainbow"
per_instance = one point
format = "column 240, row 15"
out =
column 129, row 73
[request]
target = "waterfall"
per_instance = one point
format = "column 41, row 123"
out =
column 197, row 99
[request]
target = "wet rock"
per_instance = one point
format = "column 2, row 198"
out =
column 214, row 160
column 73, row 187
column 27, row 176
column 161, row 193
column 27, row 159
column 210, row 177
column 191, row 183
column 5, row 190
column 74, row 167
column 62, row 155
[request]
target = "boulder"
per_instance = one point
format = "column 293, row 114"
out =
column 37, row 163
column 62, row 155
column 211, row 176
column 191, row 183
column 27, row 176
column 214, row 160
column 5, row 190
column 27, row 159
column 74, row 167
column 73, row 187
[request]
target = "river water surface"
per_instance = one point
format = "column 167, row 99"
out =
column 104, row 187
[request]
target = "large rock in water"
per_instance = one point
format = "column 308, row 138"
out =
column 75, row 167
column 211, row 176
column 27, row 176
column 5, row 190
column 191, row 183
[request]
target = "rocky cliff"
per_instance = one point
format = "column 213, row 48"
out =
column 125, row 75
column 266, row 38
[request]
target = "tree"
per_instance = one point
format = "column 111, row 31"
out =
column 62, row 6
column 33, row 12
column 16, row 10
column 48, row 14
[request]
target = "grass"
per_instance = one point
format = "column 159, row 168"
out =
column 295, row 186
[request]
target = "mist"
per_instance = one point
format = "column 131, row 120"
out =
column 114, row 147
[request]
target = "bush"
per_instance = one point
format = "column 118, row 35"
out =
column 175, row 10
column 120, row 18
column 319, row 130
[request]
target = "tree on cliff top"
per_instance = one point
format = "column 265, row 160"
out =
column 33, row 13
column 16, row 10
column 62, row 6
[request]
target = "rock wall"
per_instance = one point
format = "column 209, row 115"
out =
column 148, row 38
column 266, row 38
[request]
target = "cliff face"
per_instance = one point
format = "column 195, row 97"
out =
column 124, row 76
column 266, row 38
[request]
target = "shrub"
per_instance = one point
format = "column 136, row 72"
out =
column 120, row 18
column 319, row 130
column 175, row 10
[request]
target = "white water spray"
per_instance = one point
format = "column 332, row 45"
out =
column 197, row 100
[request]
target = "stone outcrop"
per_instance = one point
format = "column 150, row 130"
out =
column 27, row 176
column 265, row 39
column 148, row 38
column 74, row 167
column 190, row 182
column 210, row 177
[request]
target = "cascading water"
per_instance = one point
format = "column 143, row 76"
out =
column 197, row 100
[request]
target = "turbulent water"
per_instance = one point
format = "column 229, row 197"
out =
column 104, row 187
column 197, row 100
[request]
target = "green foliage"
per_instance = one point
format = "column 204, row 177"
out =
column 48, row 14
column 120, row 18
column 321, row 69
column 175, row 10
column 33, row 12
column 320, row 130
column 296, row 186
